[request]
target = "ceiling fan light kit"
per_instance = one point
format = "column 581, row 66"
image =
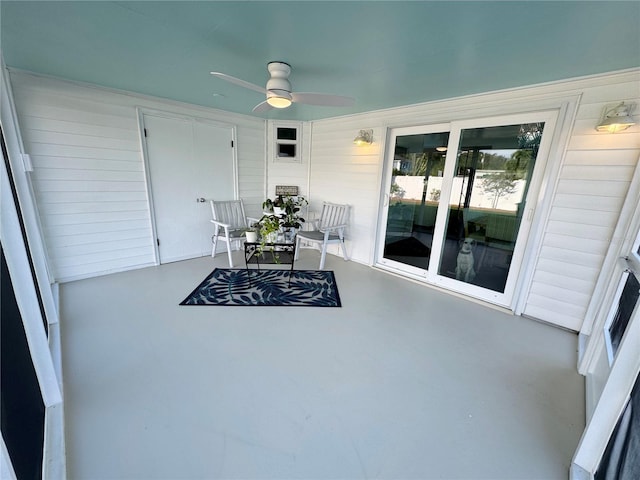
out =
column 278, row 91
column 278, row 98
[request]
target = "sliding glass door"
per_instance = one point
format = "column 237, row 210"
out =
column 457, row 202
column 413, row 197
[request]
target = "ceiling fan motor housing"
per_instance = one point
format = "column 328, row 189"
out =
column 279, row 83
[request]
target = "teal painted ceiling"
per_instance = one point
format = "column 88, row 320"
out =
column 384, row 54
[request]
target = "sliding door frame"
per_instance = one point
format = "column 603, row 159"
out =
column 393, row 133
column 523, row 250
column 35, row 295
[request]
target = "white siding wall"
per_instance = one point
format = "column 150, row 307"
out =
column 89, row 178
column 284, row 172
column 251, row 149
column 582, row 203
column 341, row 172
column 594, row 179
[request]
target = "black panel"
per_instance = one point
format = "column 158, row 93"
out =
column 21, row 406
column 5, row 156
column 286, row 150
column 626, row 305
column 287, row 133
column 621, row 459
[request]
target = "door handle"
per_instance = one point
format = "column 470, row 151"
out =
column 200, row 200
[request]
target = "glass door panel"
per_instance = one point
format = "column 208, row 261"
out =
column 454, row 203
column 413, row 198
column 491, row 179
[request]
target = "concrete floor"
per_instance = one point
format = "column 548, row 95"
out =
column 402, row 382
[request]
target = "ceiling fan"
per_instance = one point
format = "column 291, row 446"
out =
column 279, row 94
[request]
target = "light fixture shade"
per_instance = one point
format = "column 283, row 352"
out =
column 616, row 119
column 365, row 137
column 278, row 98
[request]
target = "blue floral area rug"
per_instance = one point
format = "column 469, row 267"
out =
column 260, row 288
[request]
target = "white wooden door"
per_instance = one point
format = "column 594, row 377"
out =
column 189, row 161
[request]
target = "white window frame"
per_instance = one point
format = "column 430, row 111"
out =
column 297, row 158
column 44, row 349
column 615, row 306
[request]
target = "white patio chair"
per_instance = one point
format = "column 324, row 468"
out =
column 329, row 229
column 230, row 223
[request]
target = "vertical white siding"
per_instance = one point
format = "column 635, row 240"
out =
column 89, row 178
column 284, row 172
column 594, row 175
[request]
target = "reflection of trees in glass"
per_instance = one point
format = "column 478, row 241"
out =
column 530, row 135
column 396, row 190
column 416, row 165
column 492, row 161
column 503, row 183
column 419, row 166
column 518, row 164
column 498, row 184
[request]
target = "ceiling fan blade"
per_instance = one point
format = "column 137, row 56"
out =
column 262, row 107
column 323, row 99
column 238, row 81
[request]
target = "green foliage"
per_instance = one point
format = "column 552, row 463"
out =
column 396, row 190
column 271, row 223
column 420, row 165
column 268, row 224
column 291, row 206
column 518, row 164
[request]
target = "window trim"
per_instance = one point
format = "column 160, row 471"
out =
column 613, row 310
column 297, row 143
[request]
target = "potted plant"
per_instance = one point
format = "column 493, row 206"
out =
column 252, row 233
column 269, row 227
column 266, row 231
column 291, row 220
column 286, row 211
column 275, row 206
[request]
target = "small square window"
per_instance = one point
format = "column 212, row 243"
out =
column 286, row 150
column 286, row 143
column 286, row 133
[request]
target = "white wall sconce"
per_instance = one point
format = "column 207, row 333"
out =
column 365, row 137
column 615, row 119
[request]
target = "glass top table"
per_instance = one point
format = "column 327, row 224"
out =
column 257, row 253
